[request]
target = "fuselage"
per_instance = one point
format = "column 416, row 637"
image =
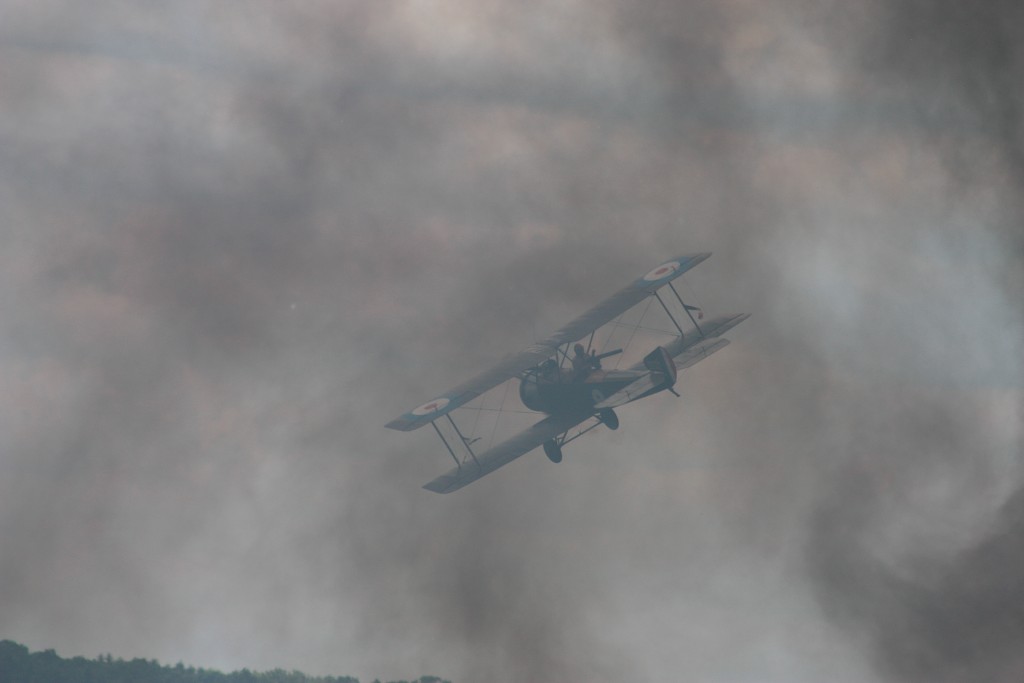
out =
column 559, row 391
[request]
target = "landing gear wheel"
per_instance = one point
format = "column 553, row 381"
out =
column 609, row 417
column 553, row 451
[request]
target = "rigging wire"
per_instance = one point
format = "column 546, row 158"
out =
column 476, row 418
column 611, row 333
column 650, row 299
column 648, row 329
column 500, row 410
column 501, row 407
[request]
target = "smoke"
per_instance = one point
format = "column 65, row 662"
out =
column 240, row 240
column 913, row 549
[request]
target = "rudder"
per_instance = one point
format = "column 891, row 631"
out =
column 659, row 360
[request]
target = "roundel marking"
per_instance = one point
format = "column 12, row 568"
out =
column 662, row 271
column 429, row 407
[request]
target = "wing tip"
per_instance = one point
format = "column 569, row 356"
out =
column 403, row 424
column 695, row 258
column 442, row 484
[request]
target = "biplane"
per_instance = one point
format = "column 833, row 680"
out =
column 573, row 390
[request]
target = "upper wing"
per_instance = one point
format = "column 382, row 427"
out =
column 624, row 299
column 467, row 391
column 603, row 313
column 504, row 453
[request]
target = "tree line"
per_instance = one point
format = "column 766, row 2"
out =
column 18, row 665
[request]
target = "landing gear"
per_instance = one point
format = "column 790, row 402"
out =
column 553, row 450
column 609, row 418
column 553, row 447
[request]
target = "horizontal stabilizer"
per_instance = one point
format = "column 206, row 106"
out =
column 661, row 375
column 693, row 348
column 631, row 392
column 699, row 352
column 718, row 326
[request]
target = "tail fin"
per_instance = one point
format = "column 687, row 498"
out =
column 660, row 361
column 662, row 376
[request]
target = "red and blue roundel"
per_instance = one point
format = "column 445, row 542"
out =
column 431, row 407
column 661, row 274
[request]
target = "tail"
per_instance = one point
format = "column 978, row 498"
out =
column 661, row 362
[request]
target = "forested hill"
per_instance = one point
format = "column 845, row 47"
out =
column 18, row 665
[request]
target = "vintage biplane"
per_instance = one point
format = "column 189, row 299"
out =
column 572, row 390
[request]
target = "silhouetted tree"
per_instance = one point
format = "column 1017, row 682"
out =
column 18, row 665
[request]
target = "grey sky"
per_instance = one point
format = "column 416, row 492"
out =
column 239, row 237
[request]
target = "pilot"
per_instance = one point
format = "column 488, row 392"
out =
column 582, row 362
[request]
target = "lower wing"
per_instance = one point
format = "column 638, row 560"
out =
column 505, row 452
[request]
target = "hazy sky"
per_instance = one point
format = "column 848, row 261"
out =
column 240, row 236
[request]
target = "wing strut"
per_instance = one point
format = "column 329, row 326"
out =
column 445, row 442
column 564, row 354
column 465, row 442
column 669, row 314
column 688, row 308
column 563, row 440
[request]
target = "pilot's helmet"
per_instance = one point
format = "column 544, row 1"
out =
column 579, row 349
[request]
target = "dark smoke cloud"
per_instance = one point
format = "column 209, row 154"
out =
column 943, row 604
column 239, row 239
column 964, row 63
